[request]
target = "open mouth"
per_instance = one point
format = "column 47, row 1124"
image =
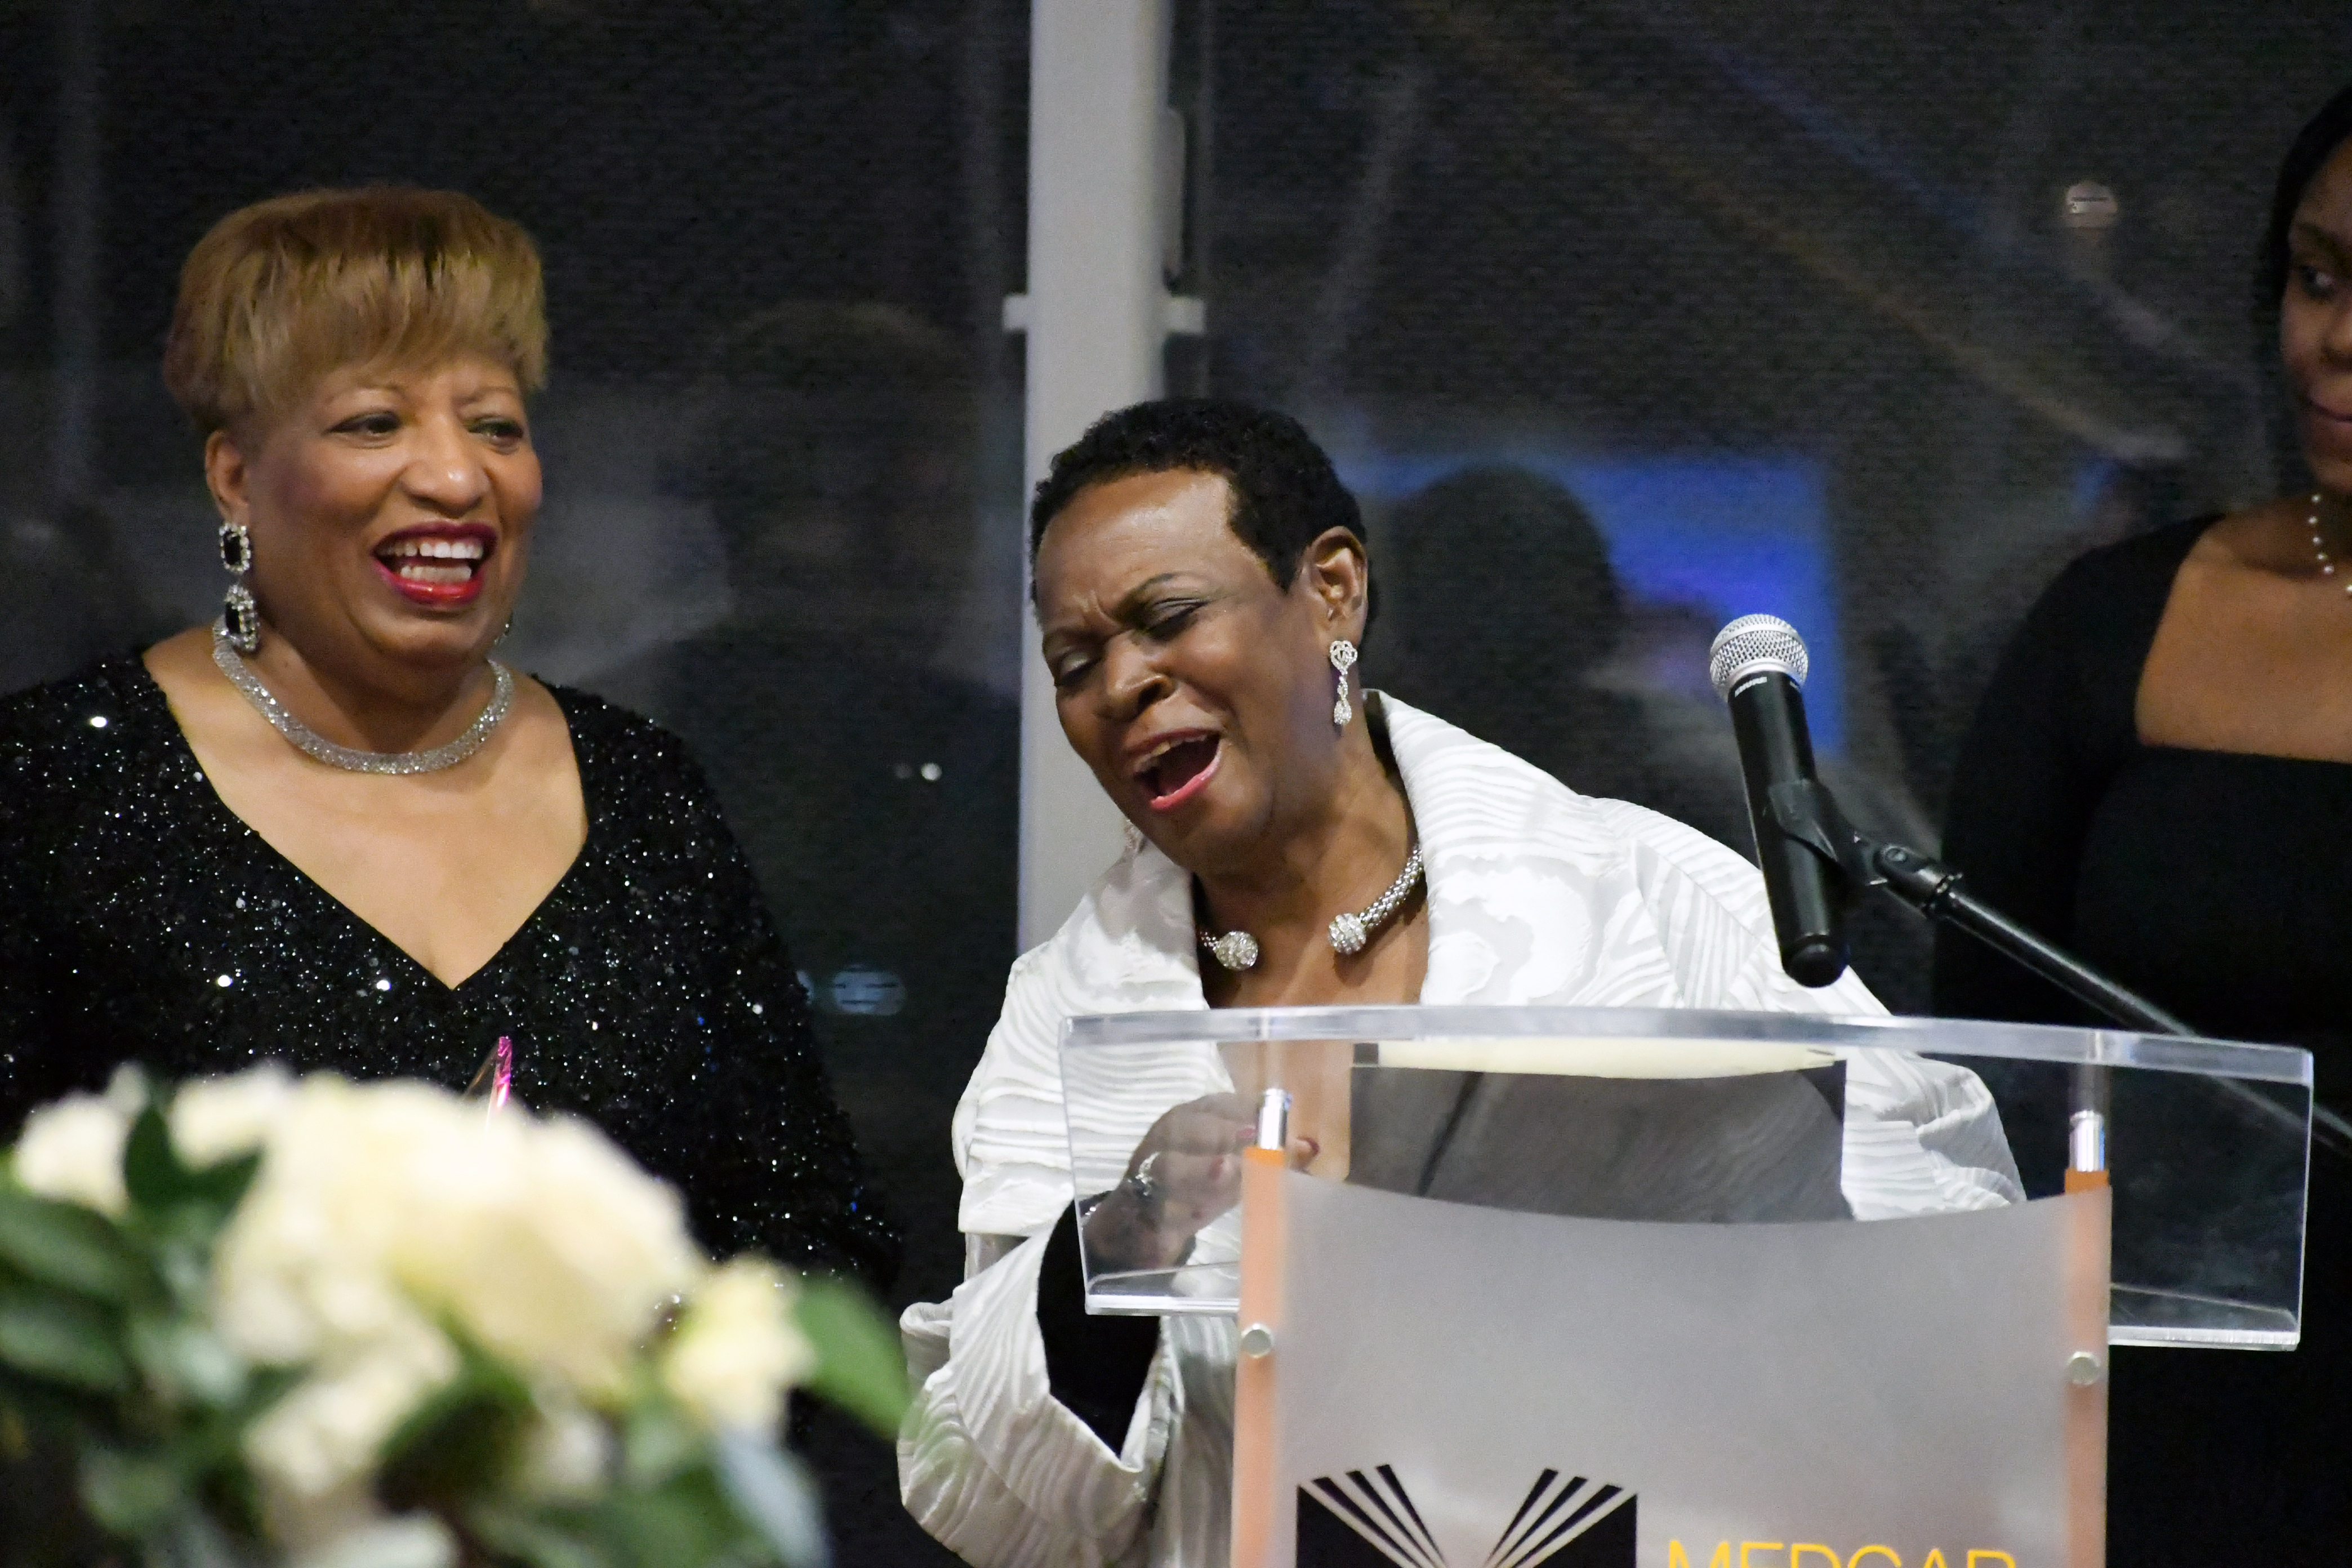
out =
column 437, row 565
column 1177, row 769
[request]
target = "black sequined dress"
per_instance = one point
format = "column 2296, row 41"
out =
column 142, row 919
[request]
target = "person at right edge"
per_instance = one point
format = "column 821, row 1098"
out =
column 2160, row 780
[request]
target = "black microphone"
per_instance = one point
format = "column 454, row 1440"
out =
column 1758, row 665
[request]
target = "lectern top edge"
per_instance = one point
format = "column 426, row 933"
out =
column 1926, row 1036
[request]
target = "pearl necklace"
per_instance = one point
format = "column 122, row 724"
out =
column 314, row 744
column 2319, row 542
column 1349, row 932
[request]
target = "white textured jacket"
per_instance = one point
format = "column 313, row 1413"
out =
column 1537, row 896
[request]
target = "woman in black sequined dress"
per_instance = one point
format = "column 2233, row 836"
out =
column 331, row 832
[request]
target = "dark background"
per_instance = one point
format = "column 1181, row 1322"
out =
column 1660, row 258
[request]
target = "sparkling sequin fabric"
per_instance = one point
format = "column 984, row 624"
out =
column 139, row 919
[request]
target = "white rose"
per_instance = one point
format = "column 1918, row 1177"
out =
column 738, row 1350
column 554, row 1249
column 72, row 1150
column 301, row 1276
column 412, row 1540
column 217, row 1118
column 381, row 1209
column 305, row 1525
column 349, row 1530
column 300, row 1269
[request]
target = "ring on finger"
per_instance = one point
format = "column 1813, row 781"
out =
column 1140, row 1185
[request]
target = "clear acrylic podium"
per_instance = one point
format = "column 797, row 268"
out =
column 1593, row 1288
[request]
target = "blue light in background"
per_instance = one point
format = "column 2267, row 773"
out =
column 1737, row 534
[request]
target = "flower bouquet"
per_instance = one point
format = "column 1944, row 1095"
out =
column 334, row 1325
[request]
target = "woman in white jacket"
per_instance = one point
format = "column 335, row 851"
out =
column 1202, row 584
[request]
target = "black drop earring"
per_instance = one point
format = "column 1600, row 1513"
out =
column 240, row 616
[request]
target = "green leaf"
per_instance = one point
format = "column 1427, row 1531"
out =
column 685, row 1521
column 460, row 1441
column 129, row 1493
column 187, row 1360
column 861, row 1366
column 224, row 1184
column 70, row 1246
column 538, row 1541
column 151, row 1170
column 191, row 1538
column 29, row 1405
column 183, row 1205
column 265, row 1385
column 657, row 1441
column 63, row 1340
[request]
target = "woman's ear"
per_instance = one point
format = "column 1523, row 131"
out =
column 1339, row 575
column 224, row 474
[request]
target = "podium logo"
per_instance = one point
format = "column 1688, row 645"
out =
column 1361, row 1520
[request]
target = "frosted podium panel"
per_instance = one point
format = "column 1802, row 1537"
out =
column 1596, row 1393
column 1699, row 1118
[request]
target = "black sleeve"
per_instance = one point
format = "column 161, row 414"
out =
column 1094, row 1365
column 21, row 962
column 795, row 1157
column 42, row 774
column 2054, row 724
column 784, row 1173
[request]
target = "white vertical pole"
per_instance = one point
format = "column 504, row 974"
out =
column 1098, row 72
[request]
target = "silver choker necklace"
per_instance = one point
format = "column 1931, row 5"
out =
column 311, row 744
column 1238, row 949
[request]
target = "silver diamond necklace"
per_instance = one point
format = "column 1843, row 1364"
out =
column 311, row 744
column 1349, row 932
column 2319, row 542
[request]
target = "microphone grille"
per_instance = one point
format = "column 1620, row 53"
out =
column 1753, row 645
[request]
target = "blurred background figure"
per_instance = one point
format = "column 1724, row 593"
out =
column 832, row 447
column 1501, row 610
column 834, row 452
column 1499, row 606
column 1937, row 668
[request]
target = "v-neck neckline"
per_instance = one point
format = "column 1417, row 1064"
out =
column 149, row 691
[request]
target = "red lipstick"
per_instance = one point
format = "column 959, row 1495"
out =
column 438, row 565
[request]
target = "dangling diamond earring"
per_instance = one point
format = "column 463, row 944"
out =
column 1343, row 659
column 240, row 615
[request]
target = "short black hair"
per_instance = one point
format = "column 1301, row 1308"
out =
column 2314, row 146
column 1286, row 494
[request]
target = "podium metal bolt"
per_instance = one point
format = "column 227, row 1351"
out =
column 2083, row 1369
column 1257, row 1339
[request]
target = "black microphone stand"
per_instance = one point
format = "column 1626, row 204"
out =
column 1807, row 813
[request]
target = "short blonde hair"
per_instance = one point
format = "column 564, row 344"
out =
column 283, row 292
